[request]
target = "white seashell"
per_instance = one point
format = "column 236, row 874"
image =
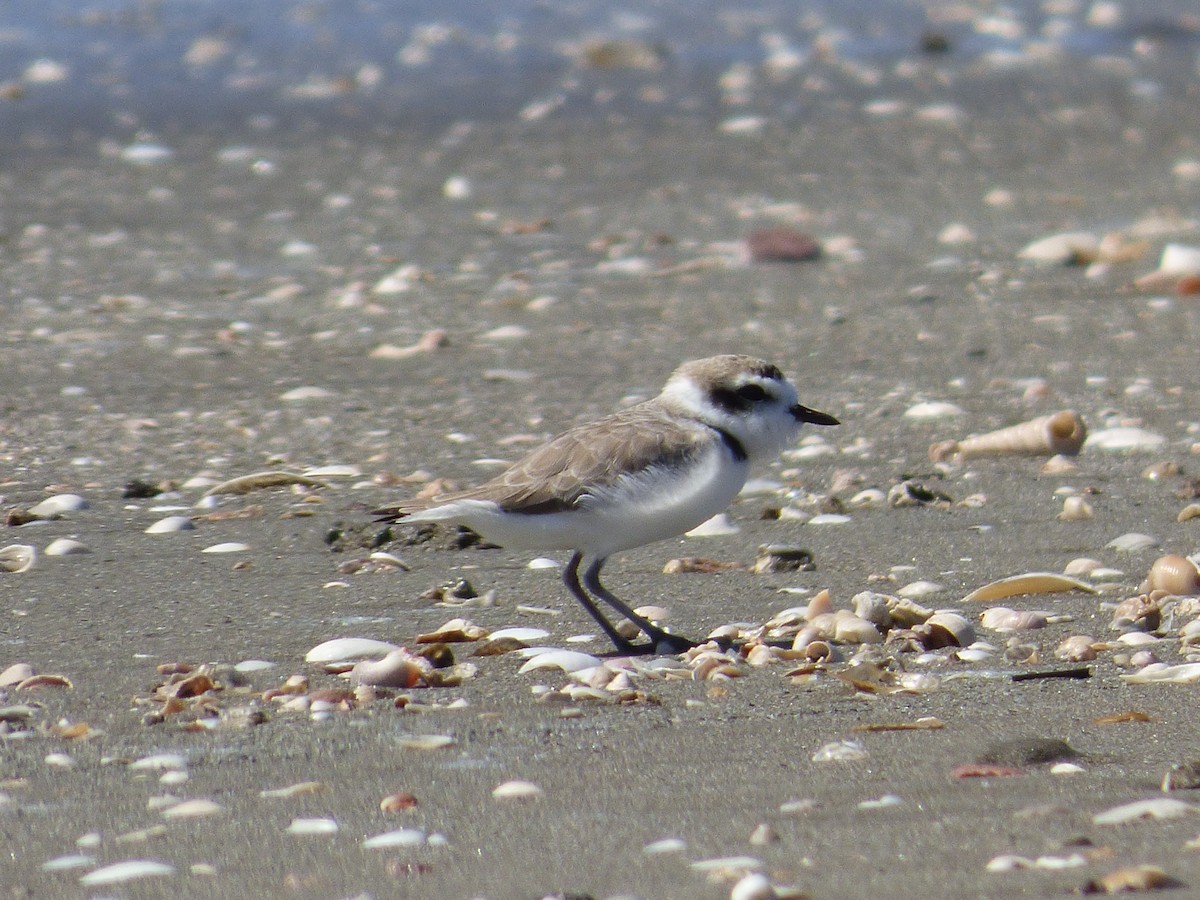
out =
column 851, row 629
column 753, row 886
column 1183, row 673
column 1157, row 808
column 520, row 633
column 970, row 654
column 869, row 498
column 18, row 672
column 401, row 837
column 517, row 790
column 426, row 742
column 829, row 519
column 308, row 392
column 1081, row 565
column 1076, row 648
column 227, row 547
column 873, row 607
column 1061, row 433
column 933, row 409
column 311, row 827
column 841, row 751
column 1069, row 247
column 248, row 666
column 333, row 471
column 1028, row 583
column 130, row 870
column 567, row 660
column 953, row 625
column 1003, row 619
column 1076, row 509
column 882, row 802
column 17, row 558
column 147, row 154
column 159, row 761
column 345, row 649
column 1179, row 259
column 58, row 504
column 1128, row 439
column 192, row 809
column 1132, row 542
column 541, row 562
column 66, row 547
column 171, row 524
column 59, row 760
column 1066, row 768
column 66, row 863
column 916, row 589
column 665, row 845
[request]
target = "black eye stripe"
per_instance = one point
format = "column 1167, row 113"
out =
column 752, row 392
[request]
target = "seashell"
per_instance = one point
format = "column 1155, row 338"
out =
column 1174, row 574
column 70, row 861
column 17, row 558
column 871, row 498
column 717, row 526
column 1076, row 648
column 255, row 481
column 1126, row 439
column 782, row 558
column 524, row 634
column 66, row 547
column 1156, row 808
column 1130, row 879
column 398, row 802
column 1076, row 509
column 851, row 629
column 295, row 790
column 456, row 630
column 342, row 649
column 399, row 669
column 159, row 761
column 58, row 504
column 1140, row 613
column 227, row 547
column 906, row 613
column 665, row 845
column 1028, row 583
column 15, row 674
column 36, row 681
column 401, row 837
column 567, row 660
column 1061, row 433
column 517, row 790
column 821, row 603
column 193, row 809
column 312, row 827
column 944, row 629
column 873, row 607
column 1182, row 777
column 426, row 742
column 1183, row 673
column 753, row 886
column 1081, row 565
column 1003, row 619
column 1067, row 248
column 1132, row 542
column 129, row 870
column 171, row 525
column 933, row 409
column 915, row 589
column 841, row 751
column 1189, row 512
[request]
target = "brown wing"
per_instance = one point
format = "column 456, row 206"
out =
column 556, row 475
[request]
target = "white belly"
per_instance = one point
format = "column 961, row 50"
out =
column 638, row 511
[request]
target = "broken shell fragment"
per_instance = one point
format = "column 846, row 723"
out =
column 1174, row 574
column 517, row 790
column 1076, row 648
column 1131, row 879
column 244, row 484
column 1003, row 619
column 944, row 630
column 1140, row 613
column 1061, row 433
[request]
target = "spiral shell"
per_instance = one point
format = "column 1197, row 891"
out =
column 1061, row 433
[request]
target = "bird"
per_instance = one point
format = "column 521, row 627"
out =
column 646, row 473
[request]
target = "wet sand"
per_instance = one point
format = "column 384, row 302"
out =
column 575, row 245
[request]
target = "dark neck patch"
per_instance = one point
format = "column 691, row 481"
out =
column 735, row 446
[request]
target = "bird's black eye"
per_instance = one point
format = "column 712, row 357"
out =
column 752, row 393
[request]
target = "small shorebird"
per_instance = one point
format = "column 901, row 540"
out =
column 644, row 474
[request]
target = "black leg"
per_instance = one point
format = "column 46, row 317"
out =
column 571, row 580
column 658, row 637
